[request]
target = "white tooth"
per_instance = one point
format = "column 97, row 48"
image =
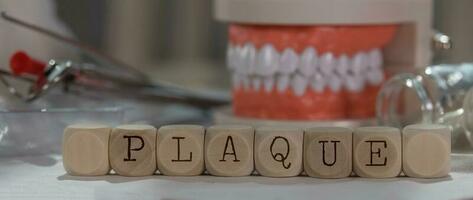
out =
column 299, row 84
column 288, row 61
column 359, row 63
column 282, row 83
column 268, row 83
column 256, row 82
column 343, row 65
column 334, row 82
column 327, row 63
column 267, row 61
column 308, row 62
column 236, row 80
column 375, row 59
column 354, row 83
column 239, row 60
column 230, row 57
column 245, row 59
column 374, row 76
column 317, row 82
column 250, row 57
column 245, row 82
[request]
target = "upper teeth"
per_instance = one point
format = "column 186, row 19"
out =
column 343, row 65
column 359, row 63
column 288, row 62
column 308, row 68
column 308, row 62
column 327, row 63
column 375, row 59
column 267, row 61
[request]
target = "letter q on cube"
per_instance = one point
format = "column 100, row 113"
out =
column 278, row 151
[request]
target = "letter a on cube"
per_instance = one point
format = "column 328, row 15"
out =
column 229, row 150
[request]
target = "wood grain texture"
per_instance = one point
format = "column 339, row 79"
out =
column 426, row 150
column 85, row 149
column 133, row 150
column 229, row 150
column 278, row 151
column 181, row 150
column 377, row 152
column 328, row 152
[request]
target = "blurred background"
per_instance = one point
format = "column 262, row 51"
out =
column 168, row 38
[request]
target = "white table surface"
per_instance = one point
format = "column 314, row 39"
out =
column 43, row 177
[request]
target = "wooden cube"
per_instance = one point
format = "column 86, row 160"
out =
column 181, row 150
column 377, row 152
column 85, row 149
column 229, row 150
column 328, row 152
column 133, row 150
column 426, row 150
column 278, row 151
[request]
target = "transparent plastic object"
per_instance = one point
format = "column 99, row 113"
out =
column 38, row 132
column 437, row 94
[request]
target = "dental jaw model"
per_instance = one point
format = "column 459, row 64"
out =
column 306, row 72
column 319, row 60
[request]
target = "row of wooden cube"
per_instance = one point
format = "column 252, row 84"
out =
column 233, row 150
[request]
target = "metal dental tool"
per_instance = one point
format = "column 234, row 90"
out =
column 108, row 76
